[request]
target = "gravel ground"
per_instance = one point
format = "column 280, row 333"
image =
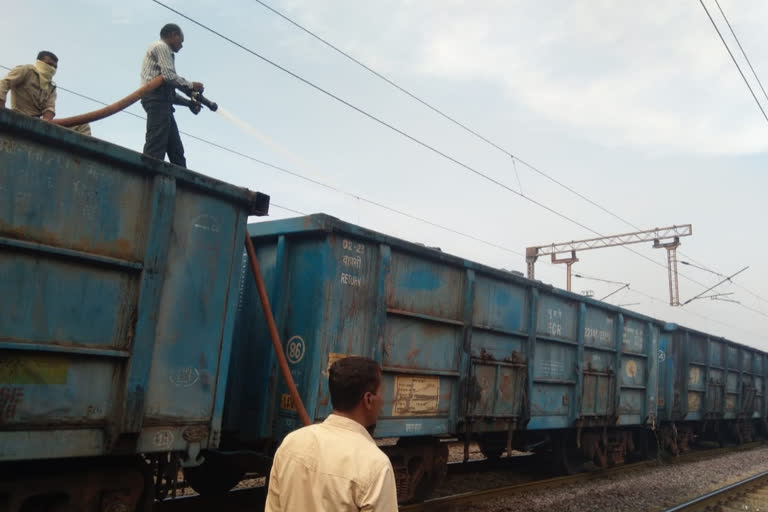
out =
column 456, row 452
column 648, row 490
column 515, row 469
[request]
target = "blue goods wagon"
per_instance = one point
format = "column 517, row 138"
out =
column 467, row 351
column 118, row 284
column 709, row 387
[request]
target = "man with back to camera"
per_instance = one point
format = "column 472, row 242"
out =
column 33, row 91
column 335, row 466
column 162, row 132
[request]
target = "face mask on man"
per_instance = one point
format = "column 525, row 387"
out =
column 45, row 71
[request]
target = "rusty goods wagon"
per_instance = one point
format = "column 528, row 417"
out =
column 467, row 351
column 118, row 284
column 709, row 387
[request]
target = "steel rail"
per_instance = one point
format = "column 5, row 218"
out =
column 507, row 490
column 444, row 502
column 252, row 499
column 731, row 491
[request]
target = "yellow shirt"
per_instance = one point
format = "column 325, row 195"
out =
column 334, row 466
column 28, row 97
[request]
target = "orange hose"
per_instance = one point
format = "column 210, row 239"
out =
column 113, row 108
column 273, row 332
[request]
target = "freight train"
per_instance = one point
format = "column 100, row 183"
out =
column 133, row 342
column 470, row 352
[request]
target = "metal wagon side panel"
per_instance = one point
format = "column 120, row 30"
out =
column 118, row 273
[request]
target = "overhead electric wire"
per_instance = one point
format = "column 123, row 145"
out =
column 458, row 123
column 733, row 33
column 733, row 282
column 361, row 198
column 750, row 292
column 128, row 112
column 694, row 313
column 717, row 29
column 728, row 278
column 286, row 208
column 441, row 113
column 700, row 267
column 582, row 276
column 760, row 83
column 333, row 188
column 312, row 180
column 356, row 196
column 626, row 286
column 377, row 119
column 753, row 310
column 405, row 134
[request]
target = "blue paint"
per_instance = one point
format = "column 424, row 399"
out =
column 345, row 290
column 120, row 276
column 422, row 280
column 482, row 332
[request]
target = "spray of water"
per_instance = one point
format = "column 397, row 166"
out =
column 308, row 169
column 267, row 141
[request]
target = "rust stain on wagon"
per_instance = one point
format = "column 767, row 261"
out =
column 508, row 387
column 413, row 353
column 119, row 248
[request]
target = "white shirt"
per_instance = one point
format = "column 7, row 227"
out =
column 160, row 60
column 334, row 466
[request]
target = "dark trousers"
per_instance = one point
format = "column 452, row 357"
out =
column 162, row 133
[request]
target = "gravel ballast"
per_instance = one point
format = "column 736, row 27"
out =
column 651, row 489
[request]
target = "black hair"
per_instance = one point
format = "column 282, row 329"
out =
column 349, row 379
column 43, row 54
column 169, row 30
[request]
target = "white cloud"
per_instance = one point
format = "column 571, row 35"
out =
column 651, row 75
column 656, row 76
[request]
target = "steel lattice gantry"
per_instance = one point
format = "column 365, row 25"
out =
column 667, row 238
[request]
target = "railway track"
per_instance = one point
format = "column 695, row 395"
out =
column 750, row 494
column 252, row 499
column 458, row 500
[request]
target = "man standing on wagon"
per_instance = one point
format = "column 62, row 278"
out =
column 162, row 132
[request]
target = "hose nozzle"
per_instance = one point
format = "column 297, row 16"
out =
column 198, row 96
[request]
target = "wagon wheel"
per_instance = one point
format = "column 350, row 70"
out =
column 564, row 462
column 601, row 456
column 420, row 465
column 217, row 475
column 647, row 446
column 492, row 445
column 435, row 473
column 165, row 468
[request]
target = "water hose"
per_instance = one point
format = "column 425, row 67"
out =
column 273, row 332
column 113, row 108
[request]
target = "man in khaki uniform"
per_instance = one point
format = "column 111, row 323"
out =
column 335, row 466
column 34, row 92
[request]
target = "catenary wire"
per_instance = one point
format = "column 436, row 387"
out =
column 355, row 195
column 733, row 33
column 442, row 113
column 286, row 208
column 311, row 180
column 717, row 29
column 408, row 136
column 475, row 133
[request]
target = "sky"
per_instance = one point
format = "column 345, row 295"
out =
column 636, row 106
